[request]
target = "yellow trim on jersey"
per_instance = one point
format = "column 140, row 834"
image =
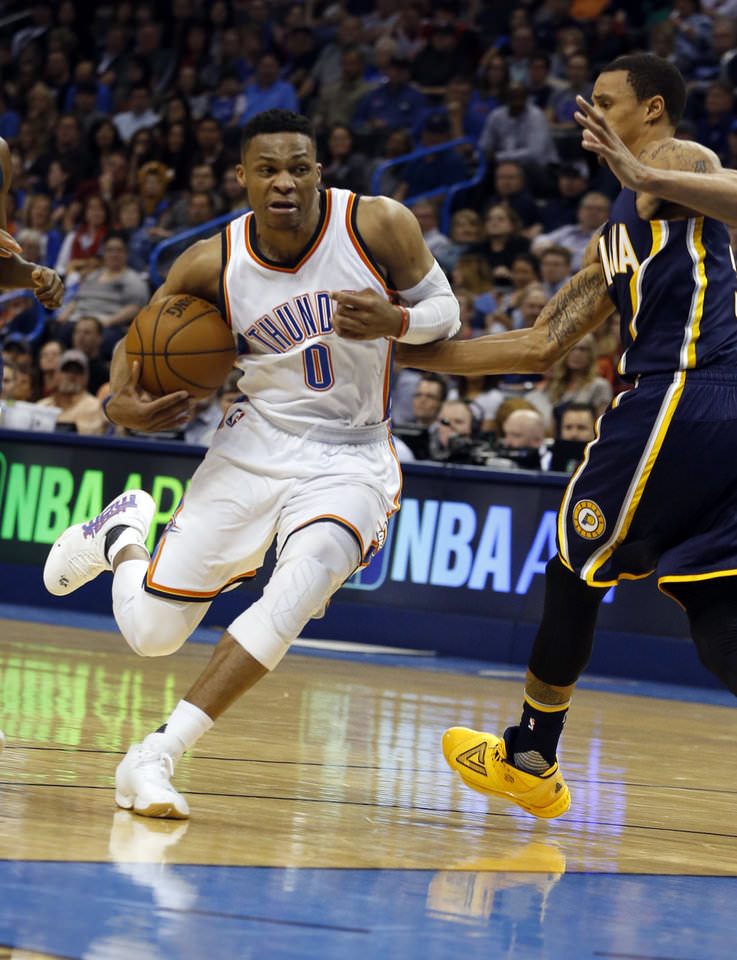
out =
column 695, row 325
column 305, row 256
column 638, row 482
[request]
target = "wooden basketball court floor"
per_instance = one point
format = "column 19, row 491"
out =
column 325, row 822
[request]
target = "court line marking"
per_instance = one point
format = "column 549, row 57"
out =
column 440, row 811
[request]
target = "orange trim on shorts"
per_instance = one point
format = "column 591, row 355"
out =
column 191, row 594
column 307, row 254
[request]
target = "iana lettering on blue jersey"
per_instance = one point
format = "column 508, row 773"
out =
column 301, row 318
column 617, row 253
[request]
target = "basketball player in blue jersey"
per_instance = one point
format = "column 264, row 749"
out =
column 657, row 490
column 305, row 457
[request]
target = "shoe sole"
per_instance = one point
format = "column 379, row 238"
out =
column 158, row 810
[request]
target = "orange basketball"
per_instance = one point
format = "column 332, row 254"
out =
column 183, row 343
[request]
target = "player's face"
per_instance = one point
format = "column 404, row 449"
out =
column 614, row 96
column 281, row 174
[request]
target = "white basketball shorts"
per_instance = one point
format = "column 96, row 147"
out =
column 258, row 482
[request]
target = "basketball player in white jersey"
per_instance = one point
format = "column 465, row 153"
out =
column 307, row 458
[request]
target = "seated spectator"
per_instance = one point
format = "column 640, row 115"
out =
column 473, row 275
column 79, row 253
column 229, row 101
column 541, row 84
column 266, row 91
column 22, row 387
column 561, row 208
column 717, row 119
column 9, row 371
column 562, row 106
column 38, row 216
column 344, row 167
column 441, row 168
column 510, row 291
column 78, row 407
column 466, row 229
column 234, row 196
column 518, row 131
column 48, row 361
column 593, row 211
column 441, row 58
column 555, row 268
column 523, row 440
column 509, row 184
column 394, row 104
column 397, row 145
column 337, row 101
column 575, row 379
column 692, row 36
column 426, row 212
column 210, row 149
column 176, row 155
column 482, row 394
column 578, row 422
column 114, row 294
column 503, row 239
column 87, row 337
column 139, row 114
column 201, row 180
column 429, row 396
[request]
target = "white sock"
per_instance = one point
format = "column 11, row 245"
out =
column 183, row 729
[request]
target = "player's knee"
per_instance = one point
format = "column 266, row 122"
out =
column 151, row 640
column 299, row 590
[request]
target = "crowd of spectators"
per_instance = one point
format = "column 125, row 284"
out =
column 124, row 122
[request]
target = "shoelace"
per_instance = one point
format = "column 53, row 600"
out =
column 162, row 760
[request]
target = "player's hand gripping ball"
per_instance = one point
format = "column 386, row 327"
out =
column 182, row 343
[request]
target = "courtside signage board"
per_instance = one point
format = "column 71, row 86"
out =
column 466, row 540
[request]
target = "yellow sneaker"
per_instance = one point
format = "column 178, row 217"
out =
column 481, row 760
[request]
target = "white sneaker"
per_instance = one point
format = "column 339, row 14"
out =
column 78, row 555
column 142, row 784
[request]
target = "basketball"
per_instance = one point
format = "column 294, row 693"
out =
column 182, row 343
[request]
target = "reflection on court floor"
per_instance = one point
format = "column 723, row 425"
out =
column 325, row 822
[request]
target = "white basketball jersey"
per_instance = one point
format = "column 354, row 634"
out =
column 297, row 371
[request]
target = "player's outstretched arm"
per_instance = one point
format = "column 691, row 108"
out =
column 681, row 172
column 579, row 306
column 8, row 244
column 429, row 309
column 196, row 272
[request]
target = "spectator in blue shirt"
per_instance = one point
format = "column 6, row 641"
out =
column 442, row 168
column 267, row 91
column 394, row 104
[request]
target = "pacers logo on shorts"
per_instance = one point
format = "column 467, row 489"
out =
column 588, row 520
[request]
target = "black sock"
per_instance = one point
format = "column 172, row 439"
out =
column 534, row 742
column 112, row 535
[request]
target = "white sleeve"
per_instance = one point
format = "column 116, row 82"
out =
column 432, row 309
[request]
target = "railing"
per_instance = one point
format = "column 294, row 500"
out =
column 184, row 238
column 450, row 190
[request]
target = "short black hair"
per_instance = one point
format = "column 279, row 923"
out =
column 651, row 76
column 277, row 121
column 436, row 378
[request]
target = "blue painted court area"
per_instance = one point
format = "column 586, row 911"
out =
column 147, row 911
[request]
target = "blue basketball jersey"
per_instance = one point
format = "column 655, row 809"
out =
column 675, row 287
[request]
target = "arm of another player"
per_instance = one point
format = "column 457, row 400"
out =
column 680, row 171
column 392, row 234
column 8, row 245
column 197, row 272
column 580, row 305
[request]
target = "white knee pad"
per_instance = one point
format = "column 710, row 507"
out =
column 315, row 561
column 152, row 626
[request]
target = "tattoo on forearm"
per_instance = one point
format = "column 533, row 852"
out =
column 687, row 156
column 571, row 310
